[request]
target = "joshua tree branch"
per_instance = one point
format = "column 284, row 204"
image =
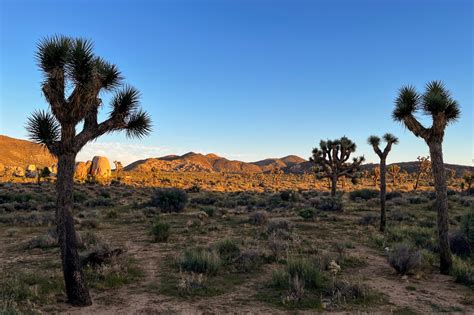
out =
column 416, row 127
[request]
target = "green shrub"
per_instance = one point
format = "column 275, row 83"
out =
column 417, row 200
column 200, row 261
column 289, row 195
column 99, row 202
column 467, row 225
column 248, row 261
column 329, row 204
column 160, row 231
column 404, row 258
column 393, row 194
column 307, row 213
column 463, row 271
column 279, row 224
column 169, row 199
column 364, row 194
column 228, row 250
column 209, row 210
column 369, row 219
column 258, row 217
column 307, row 271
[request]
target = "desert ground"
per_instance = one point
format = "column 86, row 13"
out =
column 279, row 250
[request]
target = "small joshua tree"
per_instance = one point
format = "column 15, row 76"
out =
column 394, row 172
column 436, row 102
column 331, row 160
column 424, row 166
column 374, row 141
column 69, row 64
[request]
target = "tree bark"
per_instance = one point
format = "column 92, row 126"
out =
column 383, row 190
column 437, row 167
column 333, row 185
column 76, row 288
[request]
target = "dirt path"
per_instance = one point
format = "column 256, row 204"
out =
column 436, row 293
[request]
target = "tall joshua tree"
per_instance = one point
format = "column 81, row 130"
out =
column 69, row 64
column 331, row 160
column 374, row 141
column 437, row 102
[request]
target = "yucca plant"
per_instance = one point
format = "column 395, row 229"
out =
column 437, row 102
column 74, row 79
column 331, row 161
column 374, row 141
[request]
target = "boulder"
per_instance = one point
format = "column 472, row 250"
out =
column 100, row 167
column 81, row 170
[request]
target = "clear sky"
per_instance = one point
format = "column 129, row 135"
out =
column 253, row 79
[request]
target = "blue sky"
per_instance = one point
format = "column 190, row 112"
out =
column 253, row 79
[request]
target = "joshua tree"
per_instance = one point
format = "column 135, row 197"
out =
column 69, row 64
column 438, row 103
column 330, row 160
column 376, row 174
column 374, row 141
column 394, row 172
column 424, row 166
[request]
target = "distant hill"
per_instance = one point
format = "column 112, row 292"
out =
column 16, row 152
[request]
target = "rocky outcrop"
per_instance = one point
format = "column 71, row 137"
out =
column 81, row 170
column 100, row 167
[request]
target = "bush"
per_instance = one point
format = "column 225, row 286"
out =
column 248, row 261
column 209, row 210
column 393, row 194
column 307, row 213
column 160, row 231
column 258, row 217
column 398, row 215
column 365, row 194
column 200, row 261
column 467, row 226
column 289, row 195
column 404, row 258
column 99, row 202
column 369, row 219
column 228, row 250
column 459, row 244
column 279, row 224
column 307, row 271
column 329, row 204
column 169, row 199
column 417, row 200
column 463, row 272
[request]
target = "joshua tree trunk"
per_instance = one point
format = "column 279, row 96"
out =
column 76, row 288
column 437, row 166
column 383, row 190
column 333, row 185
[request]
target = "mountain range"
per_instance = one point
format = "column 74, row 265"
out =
column 17, row 152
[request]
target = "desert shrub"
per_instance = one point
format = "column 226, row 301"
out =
column 258, row 217
column 277, row 245
column 48, row 240
column 398, row 215
column 295, row 292
column 209, row 210
column 417, row 200
column 329, row 204
column 400, row 201
column 112, row 214
column 90, row 223
column 307, row 213
column 190, row 281
column 29, row 219
column 170, row 199
column 419, row 236
column 467, row 225
column 80, row 197
column 289, row 195
column 345, row 290
column 206, row 200
column 364, row 194
column 160, row 231
column 466, row 202
column 307, row 271
column 200, row 261
column 463, row 272
column 393, row 194
column 404, row 258
column 248, row 261
column 279, row 224
column 459, row 244
column 369, row 219
column 104, row 193
column 228, row 250
column 99, row 202
column 194, row 189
